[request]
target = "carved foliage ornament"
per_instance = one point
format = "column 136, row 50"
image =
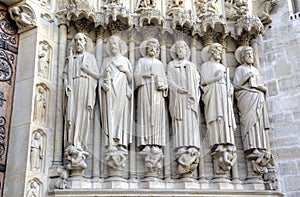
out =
column 2, row 136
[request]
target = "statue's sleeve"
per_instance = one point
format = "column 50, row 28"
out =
column 138, row 74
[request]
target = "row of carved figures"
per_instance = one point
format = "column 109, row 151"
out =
column 25, row 17
column 181, row 83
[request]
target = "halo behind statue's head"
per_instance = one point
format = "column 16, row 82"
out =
column 122, row 45
column 143, row 47
column 239, row 53
column 173, row 50
column 206, row 51
column 89, row 43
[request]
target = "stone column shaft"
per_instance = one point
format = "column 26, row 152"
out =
column 96, row 139
column 132, row 146
column 62, row 51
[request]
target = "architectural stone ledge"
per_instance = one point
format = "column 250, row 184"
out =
column 160, row 192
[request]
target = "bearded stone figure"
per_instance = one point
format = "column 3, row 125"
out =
column 80, row 82
column 151, row 84
column 217, row 98
column 116, row 100
column 184, row 94
column 250, row 94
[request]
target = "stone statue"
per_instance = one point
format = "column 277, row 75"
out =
column 153, row 160
column 115, row 158
column 217, row 98
column 201, row 6
column 23, row 19
column 141, row 4
column 188, row 160
column 207, row 6
column 217, row 91
column 43, row 60
column 33, row 191
column 225, row 155
column 59, row 181
column 151, row 84
column 75, row 158
column 118, row 125
column 80, row 81
column 116, row 97
column 250, row 94
column 36, row 152
column 212, row 6
column 177, row 3
column 184, row 96
column 265, row 9
column 241, row 6
column 40, row 106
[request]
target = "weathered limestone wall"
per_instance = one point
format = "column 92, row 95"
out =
column 280, row 61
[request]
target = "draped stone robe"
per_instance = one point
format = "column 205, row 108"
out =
column 219, row 114
column 83, row 87
column 252, row 110
column 151, row 104
column 184, row 107
column 121, row 95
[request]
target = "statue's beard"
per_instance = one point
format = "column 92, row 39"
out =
column 79, row 48
column 152, row 53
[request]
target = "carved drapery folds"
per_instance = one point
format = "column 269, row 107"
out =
column 145, row 103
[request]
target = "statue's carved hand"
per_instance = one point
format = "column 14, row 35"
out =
column 250, row 74
column 161, row 86
column 105, row 87
column 84, row 69
column 220, row 74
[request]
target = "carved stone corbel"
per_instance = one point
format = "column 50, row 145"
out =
column 24, row 17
